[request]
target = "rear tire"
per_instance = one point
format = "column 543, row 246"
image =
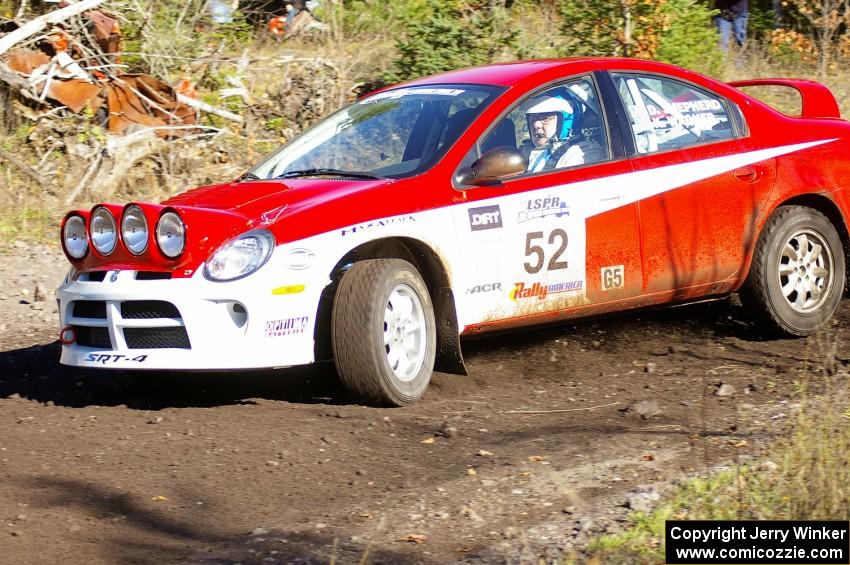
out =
column 383, row 332
column 797, row 277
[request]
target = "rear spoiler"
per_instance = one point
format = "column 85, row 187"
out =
column 818, row 101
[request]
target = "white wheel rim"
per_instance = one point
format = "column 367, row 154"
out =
column 806, row 271
column 404, row 333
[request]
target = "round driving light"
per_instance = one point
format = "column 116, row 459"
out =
column 171, row 234
column 134, row 230
column 103, row 232
column 74, row 237
column 68, row 335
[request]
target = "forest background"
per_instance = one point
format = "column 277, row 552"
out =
column 52, row 159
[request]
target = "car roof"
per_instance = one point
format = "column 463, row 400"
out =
column 511, row 73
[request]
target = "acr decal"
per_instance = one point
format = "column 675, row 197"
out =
column 481, row 288
column 289, row 326
column 104, row 358
column 541, row 290
column 291, row 289
column 542, row 207
column 557, row 237
column 485, row 218
column 377, row 223
column 613, row 277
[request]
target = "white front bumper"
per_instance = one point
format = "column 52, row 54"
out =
column 191, row 323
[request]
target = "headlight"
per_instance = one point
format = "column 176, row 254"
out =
column 103, row 232
column 240, row 257
column 74, row 237
column 134, row 230
column 171, row 234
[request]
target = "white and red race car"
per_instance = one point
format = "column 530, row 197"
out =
column 475, row 200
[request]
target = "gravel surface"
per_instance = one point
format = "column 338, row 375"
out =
column 554, row 437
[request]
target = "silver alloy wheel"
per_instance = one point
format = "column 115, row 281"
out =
column 404, row 333
column 806, row 271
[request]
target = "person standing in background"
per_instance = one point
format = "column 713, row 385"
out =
column 732, row 20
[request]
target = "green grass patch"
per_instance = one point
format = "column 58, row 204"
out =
column 30, row 224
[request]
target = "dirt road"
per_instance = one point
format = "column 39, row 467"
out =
column 284, row 468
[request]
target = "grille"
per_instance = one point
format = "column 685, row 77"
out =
column 90, row 309
column 148, row 310
column 93, row 337
column 157, row 338
column 152, row 276
column 96, row 276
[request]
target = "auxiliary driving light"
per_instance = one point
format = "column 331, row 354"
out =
column 103, row 231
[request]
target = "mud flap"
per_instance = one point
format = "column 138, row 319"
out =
column 449, row 356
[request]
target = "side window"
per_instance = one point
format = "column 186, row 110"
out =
column 667, row 114
column 557, row 128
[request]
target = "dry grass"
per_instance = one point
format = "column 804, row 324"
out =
column 292, row 84
column 805, row 476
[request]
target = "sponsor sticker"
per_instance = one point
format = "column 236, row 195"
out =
column 540, row 291
column 482, row 288
column 288, row 326
column 485, row 218
column 543, row 207
column 613, row 277
column 377, row 224
column 398, row 93
column 105, row 359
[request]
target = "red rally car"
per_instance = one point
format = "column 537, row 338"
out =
column 475, row 200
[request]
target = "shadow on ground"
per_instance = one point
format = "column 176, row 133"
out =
column 150, row 531
column 36, row 374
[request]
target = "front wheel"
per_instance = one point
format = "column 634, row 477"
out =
column 383, row 332
column 796, row 280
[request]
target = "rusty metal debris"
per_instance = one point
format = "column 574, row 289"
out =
column 72, row 57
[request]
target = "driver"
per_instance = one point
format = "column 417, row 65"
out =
column 555, row 142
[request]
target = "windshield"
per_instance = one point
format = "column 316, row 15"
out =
column 396, row 133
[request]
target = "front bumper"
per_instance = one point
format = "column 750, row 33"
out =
column 124, row 320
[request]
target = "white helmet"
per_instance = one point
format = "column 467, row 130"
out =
column 558, row 105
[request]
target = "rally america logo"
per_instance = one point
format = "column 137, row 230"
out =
column 485, row 218
column 540, row 291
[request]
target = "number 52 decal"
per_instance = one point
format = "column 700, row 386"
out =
column 554, row 264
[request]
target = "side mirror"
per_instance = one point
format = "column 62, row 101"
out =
column 495, row 165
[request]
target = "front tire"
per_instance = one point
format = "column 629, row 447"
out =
column 383, row 332
column 796, row 280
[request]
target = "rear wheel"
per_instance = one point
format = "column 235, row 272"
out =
column 796, row 280
column 383, row 332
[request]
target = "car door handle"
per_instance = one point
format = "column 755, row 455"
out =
column 747, row 174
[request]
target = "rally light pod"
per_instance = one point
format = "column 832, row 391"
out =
column 74, row 238
column 171, row 235
column 103, row 230
column 134, row 230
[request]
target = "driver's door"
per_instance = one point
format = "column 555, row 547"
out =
column 540, row 244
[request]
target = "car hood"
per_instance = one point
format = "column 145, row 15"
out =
column 299, row 208
column 254, row 198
